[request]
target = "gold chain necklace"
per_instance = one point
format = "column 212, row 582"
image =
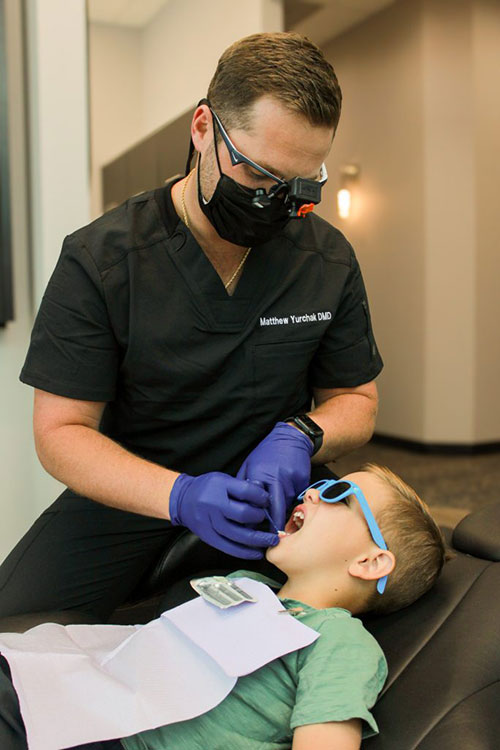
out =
column 183, row 200
column 186, row 222
column 240, row 266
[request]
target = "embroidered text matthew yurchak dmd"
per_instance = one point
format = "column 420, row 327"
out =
column 286, row 320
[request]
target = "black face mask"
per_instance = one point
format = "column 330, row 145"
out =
column 236, row 219
column 233, row 215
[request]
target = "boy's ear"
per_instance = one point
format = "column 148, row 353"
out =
column 372, row 566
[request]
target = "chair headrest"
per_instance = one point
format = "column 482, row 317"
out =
column 478, row 534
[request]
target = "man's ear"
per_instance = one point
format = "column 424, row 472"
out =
column 372, row 566
column 201, row 126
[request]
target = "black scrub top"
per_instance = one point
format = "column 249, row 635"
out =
column 136, row 316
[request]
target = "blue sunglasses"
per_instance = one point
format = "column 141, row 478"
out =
column 335, row 490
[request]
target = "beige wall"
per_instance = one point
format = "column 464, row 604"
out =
column 487, row 178
column 379, row 69
column 450, row 238
column 182, row 45
column 116, row 112
column 419, row 119
column 58, row 128
column 141, row 79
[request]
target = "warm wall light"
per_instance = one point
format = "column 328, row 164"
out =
column 344, row 203
column 348, row 174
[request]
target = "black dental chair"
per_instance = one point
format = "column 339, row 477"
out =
column 443, row 652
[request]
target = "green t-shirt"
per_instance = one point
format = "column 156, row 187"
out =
column 338, row 677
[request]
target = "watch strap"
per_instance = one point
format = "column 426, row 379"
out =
column 309, row 427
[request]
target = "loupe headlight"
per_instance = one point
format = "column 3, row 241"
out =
column 299, row 194
column 302, row 196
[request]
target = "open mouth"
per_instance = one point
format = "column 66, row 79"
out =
column 295, row 522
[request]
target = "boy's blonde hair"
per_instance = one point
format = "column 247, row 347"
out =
column 415, row 539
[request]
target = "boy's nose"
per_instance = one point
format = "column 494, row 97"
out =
column 312, row 496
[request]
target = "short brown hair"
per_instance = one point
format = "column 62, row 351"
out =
column 415, row 539
column 284, row 65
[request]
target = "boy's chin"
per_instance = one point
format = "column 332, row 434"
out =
column 268, row 554
column 271, row 554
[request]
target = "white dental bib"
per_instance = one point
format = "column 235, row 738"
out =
column 84, row 683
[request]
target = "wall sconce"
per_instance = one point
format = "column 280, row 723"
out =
column 349, row 173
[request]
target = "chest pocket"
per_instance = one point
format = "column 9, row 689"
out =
column 280, row 375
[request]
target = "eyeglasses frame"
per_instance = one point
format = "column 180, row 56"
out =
column 238, row 158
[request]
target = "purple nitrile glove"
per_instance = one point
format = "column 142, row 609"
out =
column 281, row 463
column 216, row 506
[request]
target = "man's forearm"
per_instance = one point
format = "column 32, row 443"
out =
column 95, row 466
column 348, row 421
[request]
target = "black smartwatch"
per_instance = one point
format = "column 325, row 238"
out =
column 309, row 428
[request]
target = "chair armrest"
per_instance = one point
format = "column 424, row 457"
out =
column 478, row 533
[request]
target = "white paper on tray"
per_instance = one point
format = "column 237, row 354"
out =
column 242, row 639
column 83, row 683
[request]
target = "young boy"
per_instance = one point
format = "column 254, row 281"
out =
column 339, row 562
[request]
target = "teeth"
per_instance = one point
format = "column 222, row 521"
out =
column 298, row 518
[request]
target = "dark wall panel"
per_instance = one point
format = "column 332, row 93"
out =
column 148, row 164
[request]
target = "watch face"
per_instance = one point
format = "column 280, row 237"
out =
column 311, row 427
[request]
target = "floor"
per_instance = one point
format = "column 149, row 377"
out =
column 451, row 485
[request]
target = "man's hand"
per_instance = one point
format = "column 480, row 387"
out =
column 281, row 463
column 219, row 509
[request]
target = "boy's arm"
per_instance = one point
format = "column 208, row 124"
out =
column 332, row 735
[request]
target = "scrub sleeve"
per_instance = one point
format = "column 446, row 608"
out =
column 136, row 316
